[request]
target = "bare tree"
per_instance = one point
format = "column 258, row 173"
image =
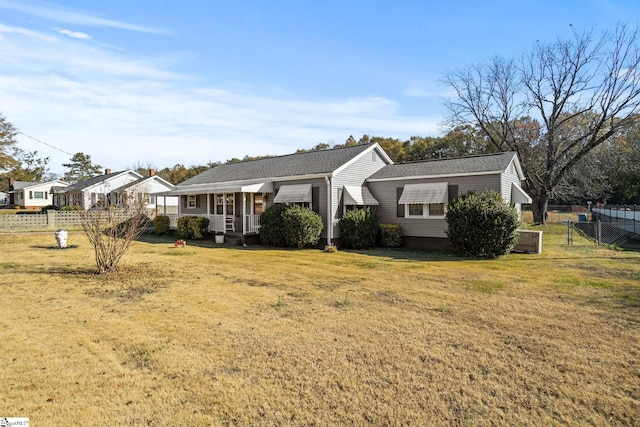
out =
column 581, row 92
column 111, row 230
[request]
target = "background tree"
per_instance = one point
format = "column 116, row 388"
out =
column 621, row 160
column 20, row 164
column 81, row 168
column 180, row 172
column 8, row 144
column 581, row 91
column 143, row 168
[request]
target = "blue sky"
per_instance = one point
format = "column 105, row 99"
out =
column 165, row 82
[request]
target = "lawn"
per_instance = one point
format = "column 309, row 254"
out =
column 206, row 335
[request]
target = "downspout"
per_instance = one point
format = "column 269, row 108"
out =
column 327, row 179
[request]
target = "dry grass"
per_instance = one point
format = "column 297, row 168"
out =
column 233, row 336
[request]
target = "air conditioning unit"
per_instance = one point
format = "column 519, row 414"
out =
column 529, row 242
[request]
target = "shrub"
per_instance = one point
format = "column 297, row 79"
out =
column 482, row 225
column 390, row 235
column 301, row 226
column 290, row 225
column 271, row 225
column 193, row 227
column 161, row 224
column 72, row 208
column 359, row 228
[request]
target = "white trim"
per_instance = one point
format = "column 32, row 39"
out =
column 518, row 195
column 195, row 201
column 426, row 211
column 385, row 157
column 449, row 175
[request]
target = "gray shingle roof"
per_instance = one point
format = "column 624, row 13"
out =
column 459, row 165
column 79, row 186
column 307, row 163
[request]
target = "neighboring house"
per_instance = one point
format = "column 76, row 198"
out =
column 233, row 195
column 34, row 195
column 100, row 190
column 149, row 190
column 4, row 198
column 415, row 195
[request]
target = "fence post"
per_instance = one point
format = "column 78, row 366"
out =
column 598, row 231
column 569, row 237
column 51, row 218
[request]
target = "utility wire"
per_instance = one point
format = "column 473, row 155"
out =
column 42, row 142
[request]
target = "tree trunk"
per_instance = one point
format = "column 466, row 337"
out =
column 539, row 208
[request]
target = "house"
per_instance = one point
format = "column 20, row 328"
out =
column 415, row 194
column 233, row 195
column 98, row 190
column 34, row 195
column 149, row 190
column 4, row 198
column 119, row 189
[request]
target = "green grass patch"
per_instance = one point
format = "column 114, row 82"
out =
column 584, row 282
column 484, row 286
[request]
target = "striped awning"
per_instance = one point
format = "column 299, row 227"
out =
column 435, row 192
column 293, row 194
column 359, row 196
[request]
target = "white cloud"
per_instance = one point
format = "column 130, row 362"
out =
column 71, row 17
column 123, row 110
column 73, row 34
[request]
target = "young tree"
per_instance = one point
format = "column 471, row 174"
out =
column 111, row 231
column 581, row 91
column 81, row 168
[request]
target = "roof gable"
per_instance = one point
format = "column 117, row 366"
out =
column 472, row 165
column 298, row 164
column 147, row 179
column 24, row 185
column 99, row 179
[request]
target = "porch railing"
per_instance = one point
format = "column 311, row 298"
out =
column 253, row 223
column 216, row 223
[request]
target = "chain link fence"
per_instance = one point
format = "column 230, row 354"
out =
column 612, row 225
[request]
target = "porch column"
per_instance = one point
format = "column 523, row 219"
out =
column 244, row 213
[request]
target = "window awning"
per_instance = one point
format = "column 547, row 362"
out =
column 359, row 196
column 293, row 194
column 518, row 195
column 261, row 187
column 435, row 192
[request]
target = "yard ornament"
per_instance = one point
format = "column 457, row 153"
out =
column 61, row 238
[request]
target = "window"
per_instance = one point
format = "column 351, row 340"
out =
column 222, row 200
column 425, row 210
column 191, row 201
column 218, row 209
column 230, row 203
column 38, row 195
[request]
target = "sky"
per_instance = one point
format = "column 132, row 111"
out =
column 159, row 83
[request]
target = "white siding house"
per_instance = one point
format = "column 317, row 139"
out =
column 34, row 195
column 98, row 191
